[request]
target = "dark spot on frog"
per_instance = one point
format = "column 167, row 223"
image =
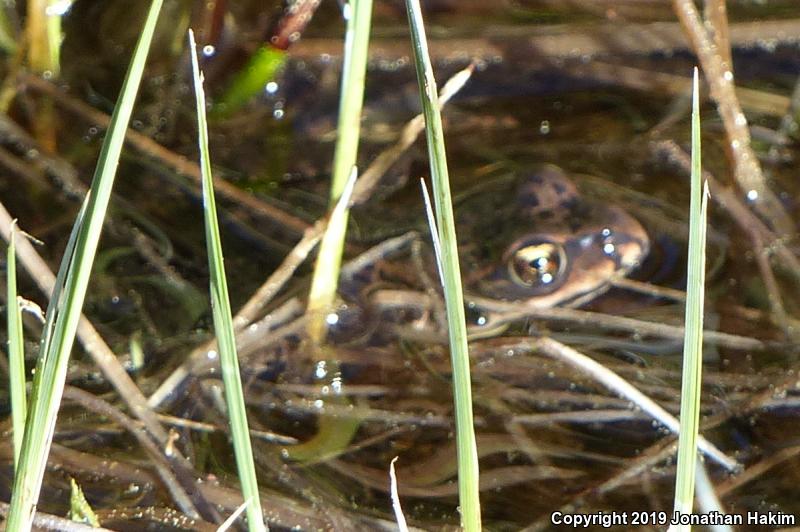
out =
column 545, row 194
column 530, row 201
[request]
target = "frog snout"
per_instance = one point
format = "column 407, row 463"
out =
column 627, row 242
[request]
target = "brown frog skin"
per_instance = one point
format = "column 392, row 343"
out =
column 529, row 239
column 533, row 238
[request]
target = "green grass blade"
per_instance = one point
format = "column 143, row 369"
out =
column 454, row 300
column 8, row 34
column 262, row 68
column 56, row 300
column 43, row 32
column 693, row 339
column 358, row 14
column 64, row 315
column 54, row 34
column 334, row 433
column 16, row 348
column 326, row 271
column 80, row 511
column 223, row 320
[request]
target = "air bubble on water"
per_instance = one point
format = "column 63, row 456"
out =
column 544, row 127
column 209, row 50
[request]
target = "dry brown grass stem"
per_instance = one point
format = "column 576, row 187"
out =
column 764, row 241
column 719, row 77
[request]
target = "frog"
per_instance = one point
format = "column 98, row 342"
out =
column 535, row 238
column 529, row 237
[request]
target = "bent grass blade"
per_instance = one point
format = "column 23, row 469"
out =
column 69, row 294
column 223, row 319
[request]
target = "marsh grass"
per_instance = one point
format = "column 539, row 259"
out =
column 262, row 67
column 80, row 510
column 43, row 31
column 73, row 277
column 468, row 487
column 693, row 339
column 43, row 39
column 8, row 38
column 68, row 296
column 16, row 348
column 223, row 319
column 334, row 433
column 358, row 14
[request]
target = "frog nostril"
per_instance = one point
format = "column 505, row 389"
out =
column 608, row 241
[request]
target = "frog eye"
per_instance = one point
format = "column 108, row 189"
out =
column 537, row 264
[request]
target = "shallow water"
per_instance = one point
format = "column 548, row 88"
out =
column 552, row 435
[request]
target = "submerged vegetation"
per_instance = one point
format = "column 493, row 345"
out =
column 540, row 336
